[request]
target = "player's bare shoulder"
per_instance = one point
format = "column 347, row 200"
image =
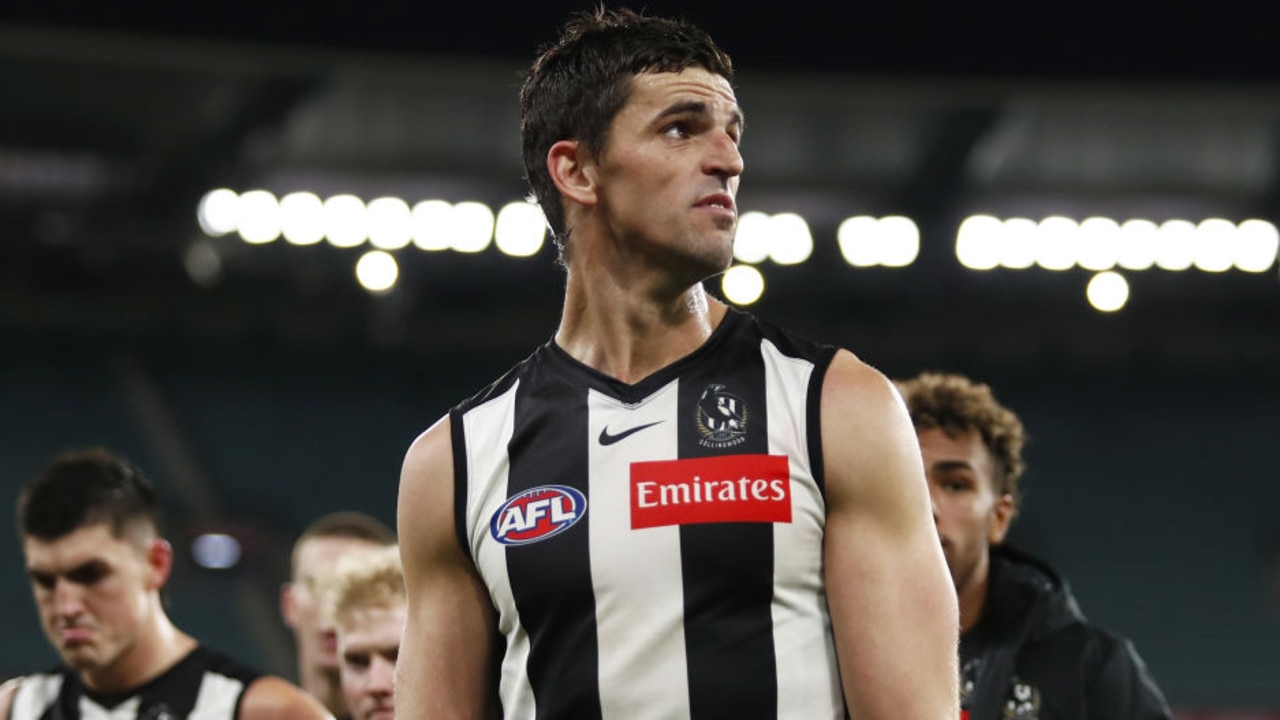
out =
column 866, row 431
column 8, row 690
column 274, row 698
column 853, row 386
column 430, row 453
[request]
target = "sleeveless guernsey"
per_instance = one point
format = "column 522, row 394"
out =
column 204, row 685
column 655, row 550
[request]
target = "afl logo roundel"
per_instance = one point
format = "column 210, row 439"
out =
column 537, row 514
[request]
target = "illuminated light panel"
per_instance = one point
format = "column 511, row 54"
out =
column 891, row 241
column 520, row 229
column 977, row 242
column 1175, row 245
column 346, row 221
column 1055, row 243
column 1108, row 291
column 302, row 218
column 1214, row 246
column 472, row 227
column 1137, row 244
column 377, row 271
column 742, row 284
column 1257, row 245
column 203, row 264
column 857, row 237
column 259, row 217
column 390, row 223
column 1017, row 243
column 216, row 551
column 751, row 244
column 901, row 241
column 217, row 212
column 791, row 243
column 1098, row 247
column 432, row 223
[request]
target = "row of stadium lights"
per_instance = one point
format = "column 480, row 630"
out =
column 518, row 229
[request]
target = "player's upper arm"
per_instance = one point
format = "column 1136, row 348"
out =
column 893, row 607
column 7, row 690
column 272, row 698
column 443, row 670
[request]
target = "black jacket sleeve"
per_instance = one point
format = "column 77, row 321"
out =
column 1122, row 687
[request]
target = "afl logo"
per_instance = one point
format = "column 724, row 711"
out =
column 721, row 418
column 537, row 514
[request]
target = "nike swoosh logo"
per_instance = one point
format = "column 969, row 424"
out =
column 607, row 439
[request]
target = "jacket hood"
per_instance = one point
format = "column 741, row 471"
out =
column 1032, row 595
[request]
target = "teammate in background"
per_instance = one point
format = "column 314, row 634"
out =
column 89, row 524
column 670, row 509
column 365, row 604
column 1026, row 650
column 315, row 553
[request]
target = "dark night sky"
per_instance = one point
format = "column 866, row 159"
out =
column 1068, row 40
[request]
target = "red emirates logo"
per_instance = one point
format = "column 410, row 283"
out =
column 730, row 488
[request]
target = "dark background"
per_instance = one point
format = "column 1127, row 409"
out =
column 280, row 390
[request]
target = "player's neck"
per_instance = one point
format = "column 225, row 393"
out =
column 629, row 334
column 973, row 595
column 323, row 683
column 158, row 648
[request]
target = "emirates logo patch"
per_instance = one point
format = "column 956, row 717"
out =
column 729, row 488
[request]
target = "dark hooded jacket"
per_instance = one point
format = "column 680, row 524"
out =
column 1032, row 655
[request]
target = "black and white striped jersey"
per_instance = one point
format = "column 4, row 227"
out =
column 655, row 550
column 204, row 685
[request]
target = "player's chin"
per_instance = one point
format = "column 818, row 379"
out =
column 78, row 657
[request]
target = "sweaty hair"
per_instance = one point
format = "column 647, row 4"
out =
column 956, row 405
column 80, row 488
column 579, row 82
column 344, row 524
column 367, row 579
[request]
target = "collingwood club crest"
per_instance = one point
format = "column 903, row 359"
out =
column 721, row 418
column 1023, row 702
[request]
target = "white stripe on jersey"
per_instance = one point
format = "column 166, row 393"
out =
column 494, row 423
column 127, row 710
column 799, row 604
column 35, row 693
column 641, row 674
column 217, row 698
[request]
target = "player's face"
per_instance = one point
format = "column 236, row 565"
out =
column 368, row 644
column 94, row 592
column 970, row 514
column 302, row 607
column 668, row 175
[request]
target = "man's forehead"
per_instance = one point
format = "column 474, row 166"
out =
column 318, row 554
column 94, row 543
column 694, row 81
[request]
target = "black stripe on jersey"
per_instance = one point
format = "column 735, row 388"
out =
column 551, row 579
column 728, row 567
column 458, row 439
column 813, row 423
column 822, row 355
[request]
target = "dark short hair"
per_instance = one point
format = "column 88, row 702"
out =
column 580, row 81
column 79, row 488
column 956, row 405
column 343, row 524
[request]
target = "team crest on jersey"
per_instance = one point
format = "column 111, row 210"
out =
column 721, row 418
column 1023, row 702
column 158, row 712
column 537, row 514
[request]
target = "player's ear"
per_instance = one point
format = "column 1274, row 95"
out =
column 573, row 171
column 1001, row 517
column 159, row 556
column 288, row 605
